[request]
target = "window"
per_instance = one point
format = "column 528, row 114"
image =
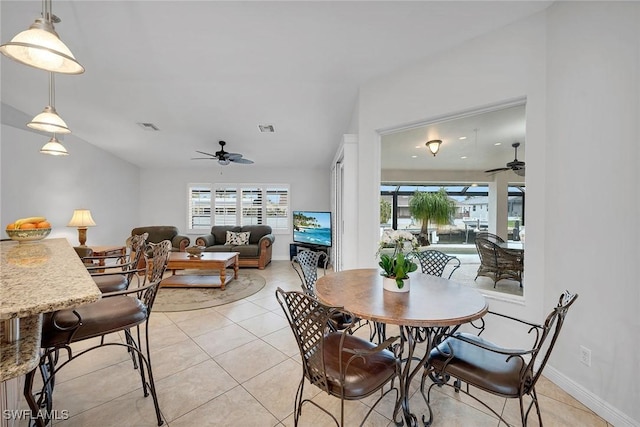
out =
column 258, row 204
column 199, row 207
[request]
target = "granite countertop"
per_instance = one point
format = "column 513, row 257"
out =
column 19, row 357
column 42, row 276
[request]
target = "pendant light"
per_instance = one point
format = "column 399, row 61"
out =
column 434, row 146
column 54, row 147
column 41, row 47
column 49, row 120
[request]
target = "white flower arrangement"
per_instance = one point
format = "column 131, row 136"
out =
column 398, row 238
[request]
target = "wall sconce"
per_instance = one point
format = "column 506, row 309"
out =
column 41, row 47
column 82, row 219
column 434, row 146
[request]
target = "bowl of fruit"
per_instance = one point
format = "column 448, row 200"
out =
column 29, row 229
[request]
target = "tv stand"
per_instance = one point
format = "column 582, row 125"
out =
column 294, row 248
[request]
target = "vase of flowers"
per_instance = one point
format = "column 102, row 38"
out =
column 397, row 266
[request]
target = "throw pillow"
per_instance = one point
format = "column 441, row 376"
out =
column 240, row 238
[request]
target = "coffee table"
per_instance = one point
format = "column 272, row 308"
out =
column 207, row 261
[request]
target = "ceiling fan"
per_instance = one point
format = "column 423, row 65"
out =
column 223, row 157
column 516, row 165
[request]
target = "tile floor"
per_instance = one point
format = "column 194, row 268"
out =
column 238, row 365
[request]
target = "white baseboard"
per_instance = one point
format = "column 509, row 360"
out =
column 605, row 410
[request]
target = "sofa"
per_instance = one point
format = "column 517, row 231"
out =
column 255, row 253
column 158, row 233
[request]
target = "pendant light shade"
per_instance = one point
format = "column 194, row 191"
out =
column 49, row 120
column 54, row 148
column 41, row 47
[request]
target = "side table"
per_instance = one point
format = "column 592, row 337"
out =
column 117, row 252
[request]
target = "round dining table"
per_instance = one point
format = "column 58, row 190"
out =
column 433, row 307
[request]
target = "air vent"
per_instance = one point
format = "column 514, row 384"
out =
column 266, row 128
column 149, row 127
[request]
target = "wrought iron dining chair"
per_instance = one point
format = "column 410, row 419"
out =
column 114, row 312
column 340, row 364
column 434, row 262
column 499, row 263
column 306, row 264
column 505, row 372
column 118, row 277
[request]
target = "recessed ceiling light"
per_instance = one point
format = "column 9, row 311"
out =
column 463, row 157
column 149, row 127
column 414, row 157
column 474, row 185
column 266, row 128
column 462, row 138
column 498, row 143
column 418, row 146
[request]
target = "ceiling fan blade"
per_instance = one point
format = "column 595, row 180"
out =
column 242, row 161
column 207, row 154
column 203, row 158
column 497, row 170
column 232, row 155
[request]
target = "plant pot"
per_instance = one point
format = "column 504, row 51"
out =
column 389, row 284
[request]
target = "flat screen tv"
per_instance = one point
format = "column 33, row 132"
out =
column 312, row 228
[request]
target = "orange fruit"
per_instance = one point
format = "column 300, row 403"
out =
column 43, row 224
column 27, row 226
column 11, row 226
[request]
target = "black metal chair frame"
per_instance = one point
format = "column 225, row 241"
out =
column 41, row 404
column 305, row 264
column 434, row 262
column 499, row 263
column 127, row 266
column 311, row 324
column 464, row 368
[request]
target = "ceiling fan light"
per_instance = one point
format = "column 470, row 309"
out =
column 49, row 121
column 434, row 146
column 41, row 47
column 54, row 148
column 224, row 162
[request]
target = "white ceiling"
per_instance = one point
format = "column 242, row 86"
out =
column 475, row 142
column 204, row 71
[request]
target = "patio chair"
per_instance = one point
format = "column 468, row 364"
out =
column 490, row 236
column 499, row 263
column 434, row 262
column 340, row 364
column 114, row 312
column 502, row 371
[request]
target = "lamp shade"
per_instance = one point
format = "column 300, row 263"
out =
column 81, row 218
column 434, row 146
column 41, row 47
column 49, row 121
column 54, row 148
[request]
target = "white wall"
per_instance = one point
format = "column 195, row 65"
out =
column 592, row 158
column 588, row 96
column 163, row 193
column 34, row 184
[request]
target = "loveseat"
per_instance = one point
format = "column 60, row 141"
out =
column 256, row 252
column 158, row 233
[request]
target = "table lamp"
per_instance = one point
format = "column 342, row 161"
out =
column 82, row 219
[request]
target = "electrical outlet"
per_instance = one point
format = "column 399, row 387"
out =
column 585, row 355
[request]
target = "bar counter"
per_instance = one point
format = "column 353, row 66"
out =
column 36, row 277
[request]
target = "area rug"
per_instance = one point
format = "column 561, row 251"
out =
column 184, row 299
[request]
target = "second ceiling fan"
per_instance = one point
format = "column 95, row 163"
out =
column 516, row 165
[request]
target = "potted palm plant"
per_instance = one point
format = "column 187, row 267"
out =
column 436, row 208
column 396, row 266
